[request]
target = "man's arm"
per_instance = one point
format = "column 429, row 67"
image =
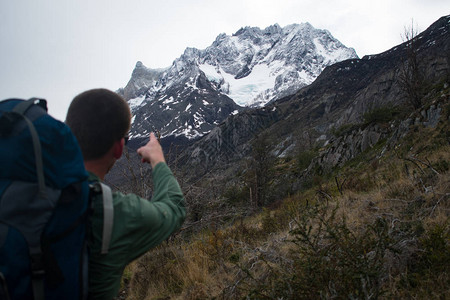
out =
column 166, row 211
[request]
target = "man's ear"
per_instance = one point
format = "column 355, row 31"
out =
column 118, row 148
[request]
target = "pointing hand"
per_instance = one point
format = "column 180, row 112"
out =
column 152, row 152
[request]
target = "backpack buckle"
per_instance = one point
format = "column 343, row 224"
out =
column 37, row 265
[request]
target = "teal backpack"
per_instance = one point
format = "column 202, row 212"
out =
column 44, row 206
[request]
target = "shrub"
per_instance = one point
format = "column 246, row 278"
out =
column 237, row 195
column 304, row 159
column 344, row 129
column 436, row 250
column 429, row 267
column 379, row 115
column 333, row 261
column 327, row 259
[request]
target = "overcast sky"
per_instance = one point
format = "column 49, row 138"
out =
column 56, row 49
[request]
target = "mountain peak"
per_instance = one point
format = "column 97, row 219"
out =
column 142, row 78
column 275, row 28
column 139, row 64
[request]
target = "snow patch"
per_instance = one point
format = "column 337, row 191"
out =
column 136, row 102
column 211, row 73
column 245, row 90
column 170, row 100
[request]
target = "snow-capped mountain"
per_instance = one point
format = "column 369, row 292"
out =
column 254, row 66
column 248, row 68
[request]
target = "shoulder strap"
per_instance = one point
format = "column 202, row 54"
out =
column 4, row 294
column 36, row 258
column 108, row 217
column 21, row 109
column 108, row 213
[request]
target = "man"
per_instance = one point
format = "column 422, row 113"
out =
column 100, row 120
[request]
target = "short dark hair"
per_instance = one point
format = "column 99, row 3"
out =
column 98, row 118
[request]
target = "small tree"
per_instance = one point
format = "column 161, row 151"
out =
column 260, row 170
column 411, row 77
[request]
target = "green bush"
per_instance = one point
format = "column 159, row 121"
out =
column 344, row 129
column 304, row 159
column 327, row 260
column 236, row 194
column 429, row 267
column 333, row 261
column 436, row 250
column 379, row 115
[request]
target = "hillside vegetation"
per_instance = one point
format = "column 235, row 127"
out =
column 374, row 227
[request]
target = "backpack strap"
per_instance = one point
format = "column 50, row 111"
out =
column 9, row 121
column 108, row 213
column 4, row 294
column 108, row 217
column 37, row 275
column 20, row 109
column 37, row 265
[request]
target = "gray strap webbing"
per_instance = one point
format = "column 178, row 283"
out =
column 108, row 217
column 38, row 275
column 38, row 158
column 21, row 108
column 4, row 294
column 38, row 288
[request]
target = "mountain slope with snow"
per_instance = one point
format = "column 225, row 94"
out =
column 254, row 66
column 247, row 69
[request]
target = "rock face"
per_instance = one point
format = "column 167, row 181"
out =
column 229, row 141
column 247, row 69
column 346, row 147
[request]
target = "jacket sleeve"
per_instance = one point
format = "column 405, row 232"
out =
column 161, row 216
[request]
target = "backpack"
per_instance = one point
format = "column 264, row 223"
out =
column 44, row 206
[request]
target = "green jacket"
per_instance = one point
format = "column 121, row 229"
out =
column 139, row 224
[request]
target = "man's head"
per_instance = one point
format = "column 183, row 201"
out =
column 98, row 118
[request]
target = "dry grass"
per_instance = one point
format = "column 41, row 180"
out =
column 256, row 259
